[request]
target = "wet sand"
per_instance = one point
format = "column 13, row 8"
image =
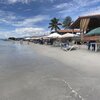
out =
column 36, row 72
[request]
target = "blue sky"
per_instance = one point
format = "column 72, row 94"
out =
column 31, row 17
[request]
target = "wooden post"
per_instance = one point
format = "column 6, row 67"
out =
column 82, row 34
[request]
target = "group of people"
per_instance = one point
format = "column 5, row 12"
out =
column 48, row 41
column 21, row 42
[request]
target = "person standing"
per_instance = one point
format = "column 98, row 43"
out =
column 89, row 45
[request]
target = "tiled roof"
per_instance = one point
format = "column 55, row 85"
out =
column 69, row 31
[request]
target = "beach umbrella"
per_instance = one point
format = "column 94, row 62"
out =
column 67, row 35
column 95, row 31
column 54, row 35
column 45, row 37
column 35, row 38
column 78, row 33
column 28, row 38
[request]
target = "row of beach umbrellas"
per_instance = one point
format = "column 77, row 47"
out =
column 56, row 35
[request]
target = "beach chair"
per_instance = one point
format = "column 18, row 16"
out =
column 69, row 48
column 64, row 46
column 73, row 47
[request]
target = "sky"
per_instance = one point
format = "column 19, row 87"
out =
column 20, row 18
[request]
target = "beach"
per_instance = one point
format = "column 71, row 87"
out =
column 41, row 72
column 82, row 58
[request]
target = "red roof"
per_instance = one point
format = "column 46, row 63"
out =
column 69, row 31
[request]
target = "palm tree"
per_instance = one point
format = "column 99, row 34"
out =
column 67, row 22
column 54, row 24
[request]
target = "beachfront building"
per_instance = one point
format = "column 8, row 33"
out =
column 86, row 24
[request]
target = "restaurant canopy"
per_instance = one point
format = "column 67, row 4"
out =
column 95, row 31
column 69, row 35
column 54, row 35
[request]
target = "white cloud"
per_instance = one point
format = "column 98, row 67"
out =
column 31, row 21
column 75, row 6
column 5, row 34
column 24, row 26
column 19, row 21
column 27, row 10
column 22, row 1
column 7, row 16
column 92, row 11
column 63, row 5
column 21, row 32
column 29, row 30
column 84, row 3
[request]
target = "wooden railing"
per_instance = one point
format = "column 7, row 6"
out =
column 89, row 38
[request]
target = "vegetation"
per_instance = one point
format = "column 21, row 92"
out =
column 17, row 39
column 67, row 22
column 12, row 38
column 54, row 24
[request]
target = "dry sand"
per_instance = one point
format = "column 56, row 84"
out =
column 82, row 59
column 85, row 63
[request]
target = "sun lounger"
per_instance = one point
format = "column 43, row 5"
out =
column 69, row 48
column 73, row 47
